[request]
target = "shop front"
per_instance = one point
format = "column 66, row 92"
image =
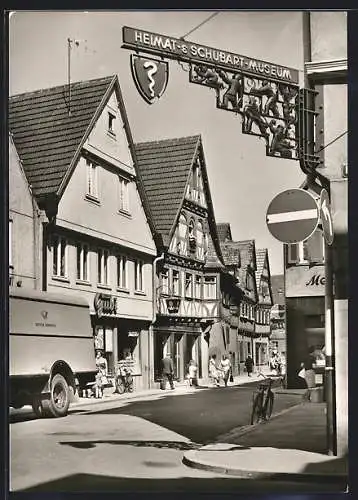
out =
column 182, row 342
column 117, row 336
column 305, row 316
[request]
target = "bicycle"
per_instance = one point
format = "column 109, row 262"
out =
column 263, row 399
column 124, row 383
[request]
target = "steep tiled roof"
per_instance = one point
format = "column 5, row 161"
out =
column 224, row 231
column 231, row 253
column 46, row 137
column 260, row 261
column 164, row 167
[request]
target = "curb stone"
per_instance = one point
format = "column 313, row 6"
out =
column 190, row 461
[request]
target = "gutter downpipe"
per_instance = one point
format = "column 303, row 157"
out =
column 154, row 316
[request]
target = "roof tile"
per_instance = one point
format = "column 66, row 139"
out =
column 45, row 136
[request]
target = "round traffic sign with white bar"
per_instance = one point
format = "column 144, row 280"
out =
column 292, row 216
column 326, row 217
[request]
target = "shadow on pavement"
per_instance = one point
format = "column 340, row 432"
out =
column 218, row 485
column 174, row 445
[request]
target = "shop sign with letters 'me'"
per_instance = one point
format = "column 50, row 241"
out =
column 265, row 95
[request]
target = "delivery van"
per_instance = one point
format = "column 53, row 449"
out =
column 51, row 350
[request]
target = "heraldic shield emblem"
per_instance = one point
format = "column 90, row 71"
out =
column 150, row 77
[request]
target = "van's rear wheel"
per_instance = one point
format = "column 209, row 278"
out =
column 37, row 407
column 58, row 403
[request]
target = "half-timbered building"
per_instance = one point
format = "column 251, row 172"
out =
column 187, row 269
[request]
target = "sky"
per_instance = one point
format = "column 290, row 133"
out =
column 243, row 180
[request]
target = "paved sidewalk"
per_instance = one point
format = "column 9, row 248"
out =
column 180, row 388
column 289, row 446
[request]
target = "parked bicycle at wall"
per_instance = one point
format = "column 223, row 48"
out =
column 124, row 377
column 263, row 399
column 124, row 383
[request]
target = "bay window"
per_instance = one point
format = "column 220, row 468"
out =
column 175, row 278
column 102, row 266
column 138, row 276
column 210, row 287
column 121, row 271
column 59, row 256
column 188, row 285
column 82, row 262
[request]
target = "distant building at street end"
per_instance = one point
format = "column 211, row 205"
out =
column 263, row 308
column 278, row 315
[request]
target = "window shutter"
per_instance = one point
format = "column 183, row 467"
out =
column 313, row 248
column 292, row 253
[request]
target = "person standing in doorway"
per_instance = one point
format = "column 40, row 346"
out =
column 249, row 364
column 310, row 375
column 101, row 376
column 193, row 373
column 225, row 366
column 168, row 370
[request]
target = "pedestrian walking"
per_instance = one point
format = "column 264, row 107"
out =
column 276, row 363
column 193, row 373
column 249, row 365
column 225, row 367
column 167, row 371
column 213, row 370
column 309, row 373
column 101, row 376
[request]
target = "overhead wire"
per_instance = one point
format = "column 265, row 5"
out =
column 331, row 142
column 199, row 25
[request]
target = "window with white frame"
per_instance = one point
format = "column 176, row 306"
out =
column 198, row 286
column 102, row 266
column 138, row 276
column 188, row 287
column 175, row 278
column 82, row 262
column 122, row 271
column 123, row 194
column 92, row 179
column 111, row 119
column 200, row 241
column 10, row 242
column 182, row 235
column 59, row 256
column 165, row 281
column 209, row 288
column 308, row 251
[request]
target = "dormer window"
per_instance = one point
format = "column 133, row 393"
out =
column 111, row 118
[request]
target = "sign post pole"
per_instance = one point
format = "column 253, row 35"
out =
column 329, row 383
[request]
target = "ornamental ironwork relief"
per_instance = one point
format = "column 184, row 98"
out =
column 268, row 109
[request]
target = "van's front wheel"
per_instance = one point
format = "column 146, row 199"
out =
column 58, row 403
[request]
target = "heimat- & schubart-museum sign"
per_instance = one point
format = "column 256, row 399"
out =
column 265, row 95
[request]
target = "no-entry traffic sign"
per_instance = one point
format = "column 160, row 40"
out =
column 326, row 217
column 292, row 216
